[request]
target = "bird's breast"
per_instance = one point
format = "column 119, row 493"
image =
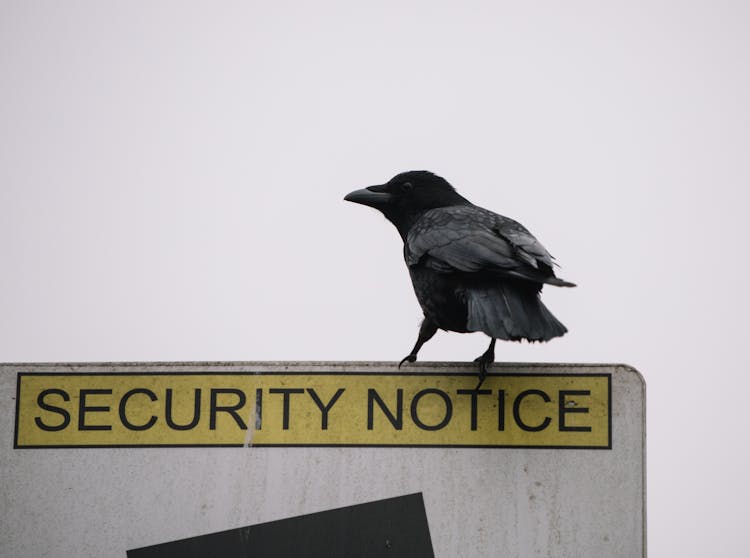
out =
column 441, row 297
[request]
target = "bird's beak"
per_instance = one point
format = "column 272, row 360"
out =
column 374, row 196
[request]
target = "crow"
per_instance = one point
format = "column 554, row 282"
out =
column 471, row 269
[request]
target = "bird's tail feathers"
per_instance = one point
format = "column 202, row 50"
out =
column 556, row 281
column 508, row 312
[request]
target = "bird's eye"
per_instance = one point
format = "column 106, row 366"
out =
column 406, row 187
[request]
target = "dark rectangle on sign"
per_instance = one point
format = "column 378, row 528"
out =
column 395, row 527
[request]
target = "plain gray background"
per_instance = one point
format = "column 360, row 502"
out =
column 172, row 175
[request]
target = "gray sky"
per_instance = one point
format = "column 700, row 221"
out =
column 172, row 175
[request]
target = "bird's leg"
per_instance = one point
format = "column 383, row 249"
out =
column 426, row 331
column 484, row 360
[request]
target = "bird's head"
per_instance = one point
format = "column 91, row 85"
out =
column 407, row 195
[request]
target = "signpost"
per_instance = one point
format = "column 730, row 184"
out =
column 104, row 459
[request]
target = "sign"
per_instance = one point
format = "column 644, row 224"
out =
column 304, row 409
column 165, row 459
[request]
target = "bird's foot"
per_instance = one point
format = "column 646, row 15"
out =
column 487, row 358
column 408, row 358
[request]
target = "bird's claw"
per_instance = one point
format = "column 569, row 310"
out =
column 408, row 358
column 484, row 361
column 482, row 372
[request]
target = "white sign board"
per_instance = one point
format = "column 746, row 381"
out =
column 154, row 460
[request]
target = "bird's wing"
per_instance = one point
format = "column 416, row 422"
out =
column 527, row 248
column 472, row 239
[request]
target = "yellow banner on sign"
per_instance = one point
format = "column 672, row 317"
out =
column 316, row 409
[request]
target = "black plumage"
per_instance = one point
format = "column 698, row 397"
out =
column 472, row 269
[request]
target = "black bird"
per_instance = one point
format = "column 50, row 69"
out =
column 472, row 269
